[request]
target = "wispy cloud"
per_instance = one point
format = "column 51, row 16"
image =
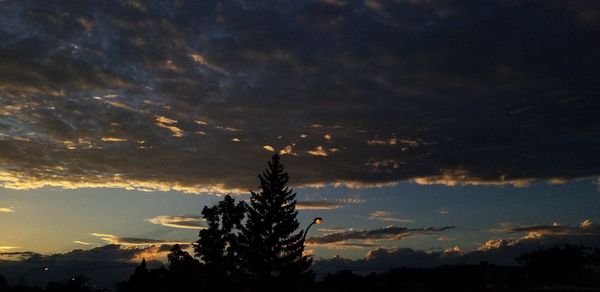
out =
column 368, row 236
column 388, row 216
column 5, row 248
column 317, row 205
column 318, row 151
column 586, row 229
column 7, row 210
column 184, row 222
column 132, row 241
column 169, row 124
column 461, row 177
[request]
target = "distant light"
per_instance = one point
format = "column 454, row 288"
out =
column 318, row 220
column 45, row 268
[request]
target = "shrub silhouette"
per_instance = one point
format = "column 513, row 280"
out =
column 555, row 266
column 3, row 283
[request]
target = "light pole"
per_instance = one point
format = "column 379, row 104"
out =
column 317, row 221
column 29, row 271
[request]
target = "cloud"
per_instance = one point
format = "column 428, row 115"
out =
column 185, row 222
column 7, row 210
column 499, row 251
column 586, row 227
column 380, row 260
column 132, row 241
column 318, row 151
column 113, row 139
column 587, row 233
column 105, row 265
column 368, row 236
column 387, row 216
column 169, row 124
column 329, row 230
column 463, row 178
column 17, row 182
column 587, row 223
column 384, row 95
column 317, row 205
column 4, row 248
column 352, row 200
column 325, row 204
column 269, row 148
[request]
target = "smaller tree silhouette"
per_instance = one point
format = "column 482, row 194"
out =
column 76, row 284
column 3, row 283
column 218, row 245
column 555, row 266
column 181, row 261
column 184, row 273
column 140, row 280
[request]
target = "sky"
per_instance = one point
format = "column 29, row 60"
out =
column 452, row 130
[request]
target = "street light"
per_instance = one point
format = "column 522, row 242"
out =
column 317, row 221
column 45, row 269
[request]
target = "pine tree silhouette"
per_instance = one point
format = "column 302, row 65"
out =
column 140, row 280
column 271, row 248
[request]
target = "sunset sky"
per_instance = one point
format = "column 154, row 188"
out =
column 444, row 127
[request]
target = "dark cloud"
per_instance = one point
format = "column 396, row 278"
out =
column 587, row 233
column 586, row 227
column 105, row 265
column 495, row 251
column 389, row 232
column 186, row 95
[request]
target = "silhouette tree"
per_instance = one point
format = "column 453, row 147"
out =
column 271, row 248
column 594, row 258
column 184, row 273
column 218, row 246
column 140, row 280
column 555, row 266
column 3, row 283
column 181, row 261
column 76, row 284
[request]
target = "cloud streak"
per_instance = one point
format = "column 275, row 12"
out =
column 368, row 236
column 7, row 210
column 317, row 205
column 135, row 242
column 586, row 232
column 183, row 222
column 388, row 216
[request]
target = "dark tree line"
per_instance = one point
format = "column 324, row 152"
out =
column 573, row 268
